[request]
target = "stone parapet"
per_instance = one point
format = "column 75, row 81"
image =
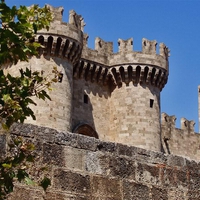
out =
column 180, row 141
column 126, row 55
column 127, row 66
column 63, row 39
column 87, row 168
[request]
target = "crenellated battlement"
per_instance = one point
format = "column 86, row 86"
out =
column 187, row 126
column 180, row 141
column 126, row 54
column 127, row 65
column 102, row 47
column 64, row 40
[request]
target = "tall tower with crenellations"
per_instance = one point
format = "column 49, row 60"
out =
column 111, row 96
column 62, row 49
column 122, row 91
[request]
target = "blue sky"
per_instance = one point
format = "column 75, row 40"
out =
column 174, row 22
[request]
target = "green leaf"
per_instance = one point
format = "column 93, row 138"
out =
column 6, row 98
column 30, row 101
column 45, row 94
column 6, row 165
column 30, row 158
column 4, row 126
column 30, row 146
column 45, row 183
column 28, row 181
column 28, row 73
column 21, row 175
column 17, row 141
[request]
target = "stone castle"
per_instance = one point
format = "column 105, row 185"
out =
column 115, row 99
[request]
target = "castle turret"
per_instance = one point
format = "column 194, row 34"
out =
column 124, row 91
column 62, row 49
column 135, row 102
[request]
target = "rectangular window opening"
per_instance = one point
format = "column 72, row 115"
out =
column 85, row 99
column 151, row 103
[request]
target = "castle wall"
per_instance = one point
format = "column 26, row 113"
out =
column 56, row 113
column 138, row 57
column 134, row 120
column 180, row 141
column 96, row 111
column 84, row 168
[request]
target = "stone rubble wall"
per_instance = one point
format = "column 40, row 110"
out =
column 84, row 168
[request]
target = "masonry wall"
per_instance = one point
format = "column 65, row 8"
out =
column 180, row 141
column 83, row 168
column 56, row 113
column 134, row 120
column 95, row 111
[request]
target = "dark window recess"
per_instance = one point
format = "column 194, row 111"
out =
column 60, row 77
column 151, row 103
column 85, row 98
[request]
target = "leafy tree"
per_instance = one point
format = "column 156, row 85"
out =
column 17, row 33
column 18, row 27
column 18, row 165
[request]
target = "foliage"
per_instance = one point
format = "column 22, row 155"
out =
column 16, row 166
column 16, row 93
column 17, row 32
column 18, row 27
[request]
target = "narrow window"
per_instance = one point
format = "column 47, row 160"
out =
column 85, row 98
column 151, row 103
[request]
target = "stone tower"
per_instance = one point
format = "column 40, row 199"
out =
column 63, row 45
column 107, row 95
column 123, row 90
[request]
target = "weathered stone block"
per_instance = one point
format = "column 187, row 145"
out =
column 174, row 160
column 93, row 163
column 167, row 176
column 74, row 158
column 53, row 154
column 159, row 194
column 106, row 147
column 67, row 139
column 125, row 150
column 194, row 181
column 135, row 191
column 192, row 166
column 71, row 182
column 105, row 187
column 87, row 143
column 182, row 178
column 148, row 174
column 121, row 167
column 176, row 194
